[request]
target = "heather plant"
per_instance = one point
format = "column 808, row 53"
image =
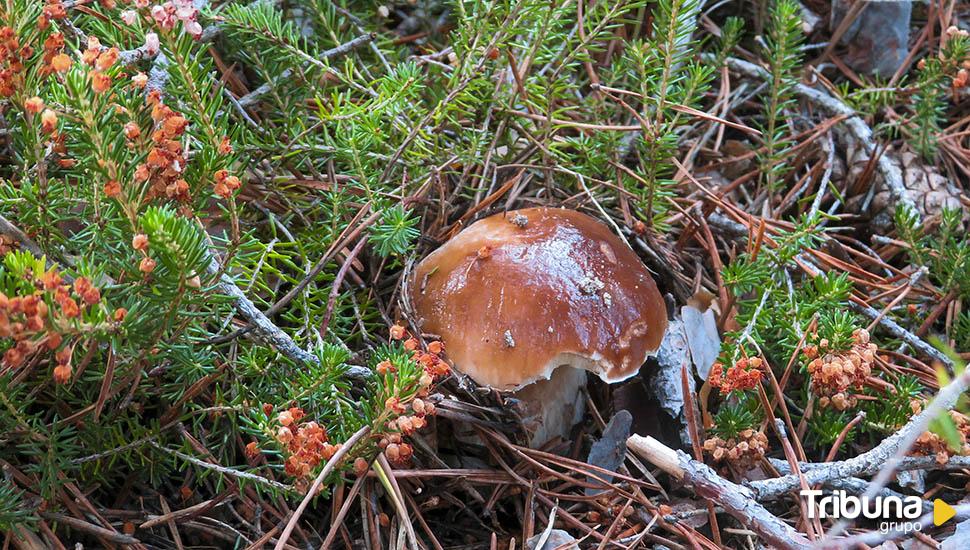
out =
column 781, row 48
column 210, row 212
column 939, row 76
column 170, row 163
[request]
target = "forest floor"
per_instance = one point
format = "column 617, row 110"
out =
column 210, row 213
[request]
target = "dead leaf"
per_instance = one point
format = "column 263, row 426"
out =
column 703, row 341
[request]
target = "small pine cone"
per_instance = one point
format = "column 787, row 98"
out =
column 930, row 190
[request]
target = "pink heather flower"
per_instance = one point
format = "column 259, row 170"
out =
column 142, row 4
column 129, row 17
column 194, row 29
column 151, row 43
column 172, row 11
column 162, row 16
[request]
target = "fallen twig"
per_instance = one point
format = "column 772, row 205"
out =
column 854, row 125
column 735, row 499
column 254, row 96
column 266, row 331
column 223, row 470
column 90, row 528
column 898, row 530
column 852, row 485
column 190, row 511
column 887, row 456
column 907, row 464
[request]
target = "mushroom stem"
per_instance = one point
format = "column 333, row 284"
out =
column 550, row 408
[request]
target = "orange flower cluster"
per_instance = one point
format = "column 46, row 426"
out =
column 434, row 366
column 835, row 373
column 743, row 375
column 225, row 185
column 53, row 11
column 166, row 160
column 744, row 451
column 55, row 60
column 392, row 443
column 307, row 444
column 140, row 243
column 961, row 79
column 12, row 57
column 34, row 105
column 409, row 424
column 396, row 451
column 102, row 60
column 252, row 450
column 402, row 424
column 32, row 324
column 931, row 444
column 48, row 122
column 22, row 318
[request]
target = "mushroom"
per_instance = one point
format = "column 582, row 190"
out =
column 517, row 295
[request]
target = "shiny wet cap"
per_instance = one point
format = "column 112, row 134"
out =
column 517, row 295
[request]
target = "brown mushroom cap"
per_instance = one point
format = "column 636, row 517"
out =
column 516, row 295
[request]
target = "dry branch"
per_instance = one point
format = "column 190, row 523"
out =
column 876, row 538
column 735, row 499
column 254, row 96
column 223, row 470
column 90, row 528
column 884, row 458
column 907, row 464
column 853, row 125
column 852, row 485
column 267, row 332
